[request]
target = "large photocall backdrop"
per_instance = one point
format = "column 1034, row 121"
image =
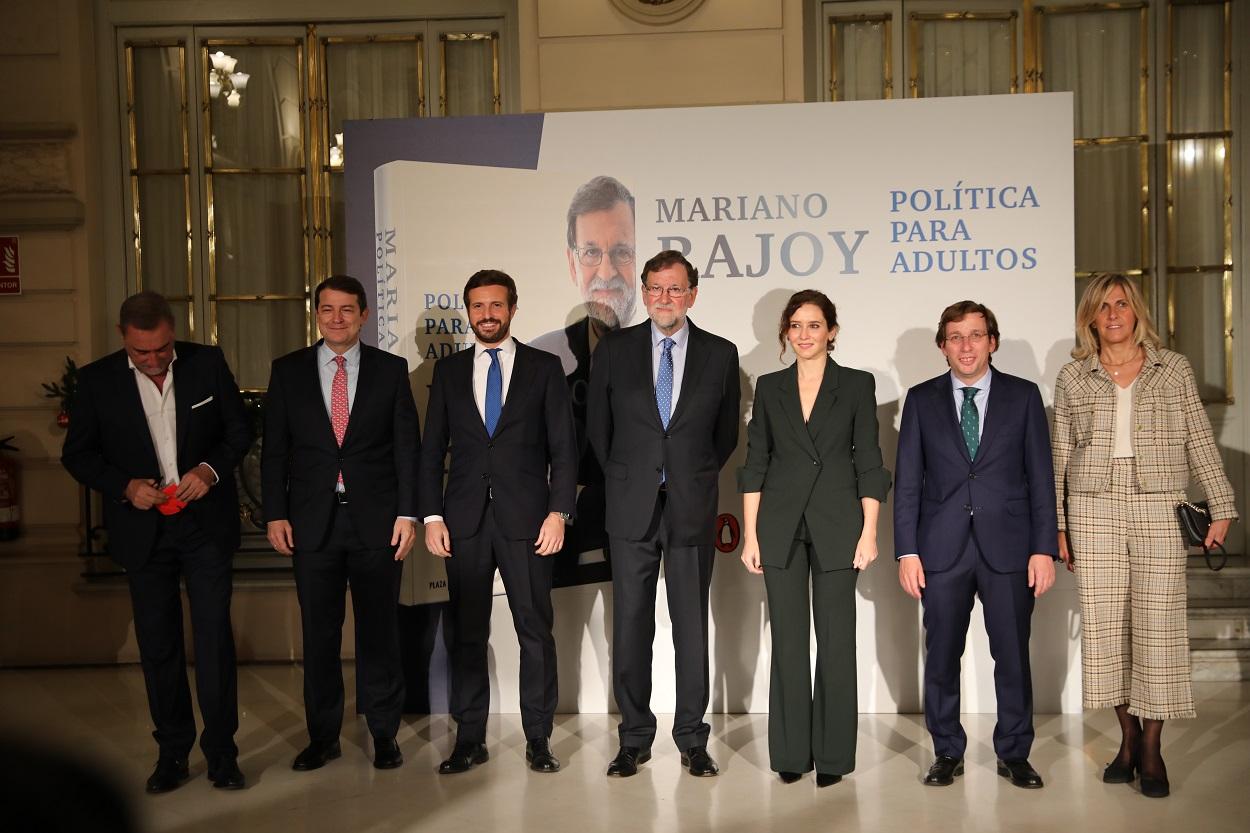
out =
column 894, row 209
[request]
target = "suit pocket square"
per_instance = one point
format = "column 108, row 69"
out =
column 204, row 402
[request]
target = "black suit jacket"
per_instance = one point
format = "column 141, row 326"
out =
column 109, row 444
column 623, row 425
column 300, row 458
column 815, row 472
column 530, row 465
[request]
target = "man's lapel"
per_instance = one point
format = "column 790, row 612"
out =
column 696, row 360
column 518, row 386
column 943, row 403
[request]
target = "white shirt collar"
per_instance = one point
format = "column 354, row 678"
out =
column 982, row 384
column 679, row 338
column 130, row 363
column 325, row 355
column 506, row 347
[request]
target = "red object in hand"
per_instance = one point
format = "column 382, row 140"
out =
column 172, row 505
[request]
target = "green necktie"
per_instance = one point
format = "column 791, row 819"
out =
column 970, row 421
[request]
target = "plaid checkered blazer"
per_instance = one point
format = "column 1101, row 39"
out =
column 1172, row 438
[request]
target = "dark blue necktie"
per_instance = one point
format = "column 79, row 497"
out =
column 970, row 422
column 494, row 391
column 664, row 383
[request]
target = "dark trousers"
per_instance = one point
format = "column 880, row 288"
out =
column 806, row 727
column 687, row 575
column 321, row 579
column 1007, row 604
column 470, row 583
column 185, row 551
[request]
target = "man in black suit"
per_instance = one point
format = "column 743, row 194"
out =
column 974, row 517
column 338, row 482
column 599, row 239
column 163, row 457
column 663, row 419
column 503, row 410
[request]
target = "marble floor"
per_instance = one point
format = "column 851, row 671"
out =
column 101, row 713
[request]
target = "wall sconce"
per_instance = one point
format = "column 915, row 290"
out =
column 224, row 81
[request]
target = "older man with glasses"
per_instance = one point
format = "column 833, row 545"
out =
column 663, row 420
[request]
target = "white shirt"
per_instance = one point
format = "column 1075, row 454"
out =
column 681, row 339
column 481, row 367
column 160, row 408
column 1122, row 435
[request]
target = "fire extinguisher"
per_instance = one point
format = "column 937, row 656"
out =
column 10, row 492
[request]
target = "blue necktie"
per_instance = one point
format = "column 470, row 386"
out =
column 664, row 383
column 494, row 391
column 664, row 389
column 970, row 421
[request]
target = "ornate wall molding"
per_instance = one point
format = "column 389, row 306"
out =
column 36, row 191
column 657, row 12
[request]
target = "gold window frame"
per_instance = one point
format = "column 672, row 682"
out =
column 887, row 47
column 135, row 172
column 1142, row 138
column 319, row 114
column 496, row 91
column 210, row 172
column 914, row 19
column 1177, row 272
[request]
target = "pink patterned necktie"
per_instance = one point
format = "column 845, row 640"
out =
column 338, row 403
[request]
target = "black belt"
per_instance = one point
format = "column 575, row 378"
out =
column 340, row 497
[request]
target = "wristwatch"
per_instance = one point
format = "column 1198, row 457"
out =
column 564, row 516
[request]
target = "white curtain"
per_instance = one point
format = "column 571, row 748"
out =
column 861, row 61
column 965, row 57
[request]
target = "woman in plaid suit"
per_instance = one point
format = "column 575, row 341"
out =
column 1129, row 433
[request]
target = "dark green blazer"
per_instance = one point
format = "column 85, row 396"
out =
column 816, row 471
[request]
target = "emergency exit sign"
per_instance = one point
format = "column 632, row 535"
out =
column 10, row 265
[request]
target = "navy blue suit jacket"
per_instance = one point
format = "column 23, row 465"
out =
column 1005, row 497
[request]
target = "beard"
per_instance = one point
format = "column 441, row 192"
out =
column 493, row 338
column 617, row 309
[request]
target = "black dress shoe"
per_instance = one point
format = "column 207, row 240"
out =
column 824, row 779
column 540, row 757
column 225, row 774
column 386, row 754
column 699, row 762
column 789, row 777
column 463, row 758
column 1021, row 773
column 627, row 760
column 168, row 775
column 1117, row 773
column 315, row 755
column 943, row 771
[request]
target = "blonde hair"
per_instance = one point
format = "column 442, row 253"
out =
column 1092, row 299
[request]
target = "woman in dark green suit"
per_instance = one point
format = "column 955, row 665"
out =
column 812, row 487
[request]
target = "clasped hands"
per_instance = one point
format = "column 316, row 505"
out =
column 144, row 494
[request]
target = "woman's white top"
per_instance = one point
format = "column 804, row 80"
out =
column 1122, row 436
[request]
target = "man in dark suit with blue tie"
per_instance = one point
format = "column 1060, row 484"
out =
column 503, row 411
column 974, row 517
column 663, row 418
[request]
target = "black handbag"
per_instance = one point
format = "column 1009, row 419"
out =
column 1195, row 521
